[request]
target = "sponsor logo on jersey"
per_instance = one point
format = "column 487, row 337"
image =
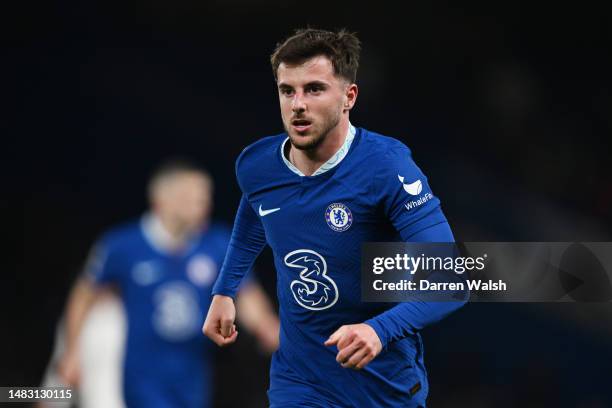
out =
column 177, row 312
column 202, row 270
column 339, row 217
column 146, row 272
column 421, row 200
column 414, row 189
column 411, row 188
column 313, row 290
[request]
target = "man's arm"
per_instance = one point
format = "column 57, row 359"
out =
column 100, row 274
column 398, row 182
column 80, row 301
column 247, row 241
column 408, row 318
column 358, row 344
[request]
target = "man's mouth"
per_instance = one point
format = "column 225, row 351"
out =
column 301, row 125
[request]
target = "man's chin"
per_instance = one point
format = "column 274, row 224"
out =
column 303, row 142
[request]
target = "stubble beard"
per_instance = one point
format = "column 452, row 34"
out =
column 316, row 138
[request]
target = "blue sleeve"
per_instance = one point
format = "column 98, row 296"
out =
column 440, row 232
column 403, row 192
column 247, row 241
column 408, row 318
column 103, row 264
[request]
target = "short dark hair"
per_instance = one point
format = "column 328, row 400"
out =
column 341, row 47
column 170, row 168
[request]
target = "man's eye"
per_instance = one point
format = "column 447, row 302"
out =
column 286, row 91
column 315, row 89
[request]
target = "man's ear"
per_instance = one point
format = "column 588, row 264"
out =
column 351, row 96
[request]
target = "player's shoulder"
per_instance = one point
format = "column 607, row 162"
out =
column 259, row 162
column 121, row 235
column 388, row 158
column 262, row 149
column 379, row 148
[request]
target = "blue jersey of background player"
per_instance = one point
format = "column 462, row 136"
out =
column 315, row 194
column 164, row 266
column 163, row 296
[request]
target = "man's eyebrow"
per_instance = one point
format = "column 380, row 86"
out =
column 311, row 83
column 317, row 83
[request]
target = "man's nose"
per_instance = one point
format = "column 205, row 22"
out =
column 298, row 105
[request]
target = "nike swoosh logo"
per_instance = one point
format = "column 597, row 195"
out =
column 263, row 213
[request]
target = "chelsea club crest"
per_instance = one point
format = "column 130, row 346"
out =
column 339, row 217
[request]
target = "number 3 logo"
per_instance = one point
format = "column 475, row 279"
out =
column 313, row 289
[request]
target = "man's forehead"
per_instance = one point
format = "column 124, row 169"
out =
column 183, row 179
column 312, row 69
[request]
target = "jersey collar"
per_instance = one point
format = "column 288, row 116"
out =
column 160, row 239
column 329, row 164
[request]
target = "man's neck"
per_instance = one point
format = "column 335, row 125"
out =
column 308, row 161
column 169, row 236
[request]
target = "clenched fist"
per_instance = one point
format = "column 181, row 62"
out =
column 219, row 325
column 358, row 344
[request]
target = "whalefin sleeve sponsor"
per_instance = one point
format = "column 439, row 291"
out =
column 404, row 193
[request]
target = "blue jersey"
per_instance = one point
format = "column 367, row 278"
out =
column 315, row 226
column 167, row 360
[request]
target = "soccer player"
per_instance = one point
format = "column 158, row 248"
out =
column 164, row 266
column 314, row 194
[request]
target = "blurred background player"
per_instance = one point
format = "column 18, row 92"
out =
column 162, row 267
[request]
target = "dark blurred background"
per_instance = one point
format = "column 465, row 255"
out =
column 507, row 108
